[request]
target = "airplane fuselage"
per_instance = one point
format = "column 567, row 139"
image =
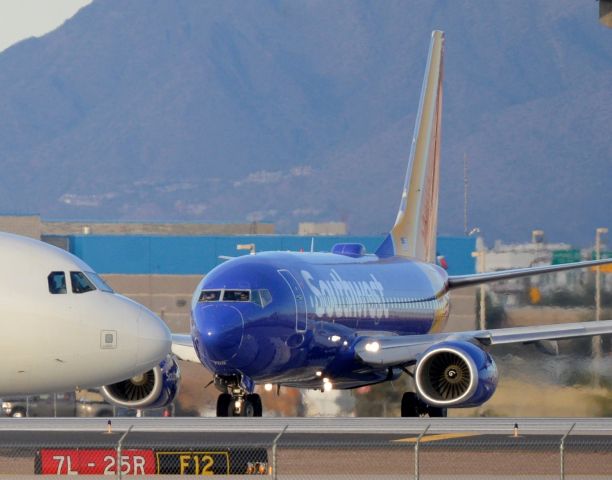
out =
column 302, row 330
column 63, row 327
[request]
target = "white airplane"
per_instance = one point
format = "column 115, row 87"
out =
column 63, row 327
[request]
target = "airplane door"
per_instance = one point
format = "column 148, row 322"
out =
column 301, row 312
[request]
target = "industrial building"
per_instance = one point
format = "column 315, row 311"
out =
column 538, row 252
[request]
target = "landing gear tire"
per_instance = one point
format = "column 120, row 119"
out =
column 250, row 406
column 413, row 407
column 254, row 400
column 435, row 412
column 410, row 405
column 248, row 409
column 224, row 402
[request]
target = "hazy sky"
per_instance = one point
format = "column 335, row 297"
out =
column 21, row 19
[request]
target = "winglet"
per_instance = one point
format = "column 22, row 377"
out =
column 414, row 232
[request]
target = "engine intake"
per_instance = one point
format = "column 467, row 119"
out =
column 152, row 389
column 455, row 374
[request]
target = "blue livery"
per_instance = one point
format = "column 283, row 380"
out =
column 316, row 306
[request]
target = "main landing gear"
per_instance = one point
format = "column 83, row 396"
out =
column 412, row 406
column 236, row 401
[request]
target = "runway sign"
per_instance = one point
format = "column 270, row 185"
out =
column 94, row 462
column 90, row 461
column 193, row 463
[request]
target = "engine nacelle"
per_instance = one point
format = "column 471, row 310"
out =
column 152, row 389
column 455, row 374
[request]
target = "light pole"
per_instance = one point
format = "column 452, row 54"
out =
column 598, row 233
column 597, row 339
column 480, row 254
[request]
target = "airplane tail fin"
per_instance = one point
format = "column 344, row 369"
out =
column 414, row 232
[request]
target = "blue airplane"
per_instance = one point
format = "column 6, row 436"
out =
column 346, row 319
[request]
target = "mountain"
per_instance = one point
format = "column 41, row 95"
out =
column 283, row 111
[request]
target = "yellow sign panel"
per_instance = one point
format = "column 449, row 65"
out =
column 193, row 463
column 603, row 268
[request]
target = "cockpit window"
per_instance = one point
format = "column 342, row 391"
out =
column 259, row 297
column 265, row 297
column 237, row 296
column 99, row 283
column 80, row 283
column 210, row 296
column 57, row 282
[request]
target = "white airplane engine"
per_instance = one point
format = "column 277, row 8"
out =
column 154, row 388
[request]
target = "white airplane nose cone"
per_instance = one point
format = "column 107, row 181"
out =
column 154, row 340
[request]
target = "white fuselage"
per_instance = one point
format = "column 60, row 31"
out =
column 56, row 339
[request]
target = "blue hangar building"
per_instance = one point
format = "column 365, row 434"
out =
column 197, row 255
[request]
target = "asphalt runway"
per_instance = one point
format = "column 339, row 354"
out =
column 325, row 447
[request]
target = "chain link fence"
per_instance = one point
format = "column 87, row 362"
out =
column 431, row 453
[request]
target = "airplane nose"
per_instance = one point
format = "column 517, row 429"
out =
column 221, row 329
column 154, row 339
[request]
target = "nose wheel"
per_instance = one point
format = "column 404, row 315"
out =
column 235, row 401
column 239, row 405
column 252, row 406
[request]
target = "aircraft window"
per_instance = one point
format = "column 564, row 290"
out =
column 237, row 296
column 210, row 296
column 255, row 298
column 80, row 283
column 57, row 282
column 98, row 282
column 265, row 297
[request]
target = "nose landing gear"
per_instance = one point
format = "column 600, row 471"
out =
column 236, row 401
column 239, row 406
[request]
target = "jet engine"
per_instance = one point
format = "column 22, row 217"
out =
column 152, row 389
column 455, row 374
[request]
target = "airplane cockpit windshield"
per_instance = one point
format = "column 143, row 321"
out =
column 265, row 297
column 260, row 297
column 210, row 296
column 237, row 296
column 81, row 282
column 57, row 282
column 99, row 283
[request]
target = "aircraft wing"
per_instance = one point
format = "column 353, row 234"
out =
column 390, row 351
column 457, row 281
column 182, row 347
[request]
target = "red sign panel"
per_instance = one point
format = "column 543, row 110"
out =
column 96, row 462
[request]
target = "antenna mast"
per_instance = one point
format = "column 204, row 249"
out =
column 465, row 195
